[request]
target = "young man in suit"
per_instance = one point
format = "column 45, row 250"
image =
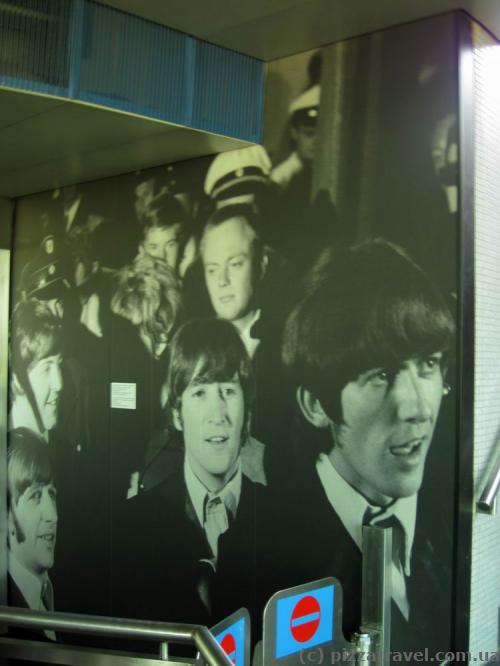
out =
column 49, row 396
column 32, row 524
column 234, row 262
column 37, row 379
column 186, row 549
column 366, row 348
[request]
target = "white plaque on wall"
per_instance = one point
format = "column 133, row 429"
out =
column 122, row 395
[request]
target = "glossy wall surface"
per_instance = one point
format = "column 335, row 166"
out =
column 323, row 264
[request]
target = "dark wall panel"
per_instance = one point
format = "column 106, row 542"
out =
column 185, row 488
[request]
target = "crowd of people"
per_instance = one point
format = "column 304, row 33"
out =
column 287, row 388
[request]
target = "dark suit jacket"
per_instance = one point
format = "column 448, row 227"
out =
column 131, row 429
column 306, row 540
column 16, row 598
column 159, row 551
column 430, row 584
column 314, row 544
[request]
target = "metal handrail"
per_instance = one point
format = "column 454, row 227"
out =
column 111, row 627
column 486, row 502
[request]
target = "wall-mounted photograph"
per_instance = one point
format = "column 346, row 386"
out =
column 223, row 368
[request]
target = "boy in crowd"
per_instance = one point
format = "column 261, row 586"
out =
column 165, row 231
column 185, row 550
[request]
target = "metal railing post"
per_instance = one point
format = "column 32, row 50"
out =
column 376, row 592
column 487, row 500
column 164, row 651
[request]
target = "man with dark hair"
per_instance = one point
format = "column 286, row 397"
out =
column 36, row 367
column 32, row 522
column 49, row 396
column 234, row 262
column 186, row 552
column 366, row 349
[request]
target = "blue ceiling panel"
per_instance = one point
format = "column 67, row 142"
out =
column 92, row 53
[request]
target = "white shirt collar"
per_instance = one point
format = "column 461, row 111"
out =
column 250, row 343
column 89, row 316
column 198, row 492
column 351, row 507
column 31, row 586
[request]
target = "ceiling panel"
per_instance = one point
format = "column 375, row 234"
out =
column 14, row 108
column 270, row 29
column 67, row 129
column 47, row 142
column 71, row 143
column 201, row 18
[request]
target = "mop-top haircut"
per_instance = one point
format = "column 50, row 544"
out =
column 164, row 212
column 28, row 464
column 36, row 333
column 204, row 351
column 364, row 307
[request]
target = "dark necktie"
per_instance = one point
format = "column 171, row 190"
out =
column 47, row 596
column 48, row 604
column 219, row 511
column 384, row 519
column 216, row 521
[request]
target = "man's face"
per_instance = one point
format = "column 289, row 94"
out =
column 305, row 141
column 33, row 527
column 163, row 243
column 229, row 268
column 211, row 418
column 389, row 420
column 46, row 381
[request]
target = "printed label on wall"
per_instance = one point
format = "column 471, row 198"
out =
column 122, row 395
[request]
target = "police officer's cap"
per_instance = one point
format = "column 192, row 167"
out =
column 237, row 170
column 305, row 109
column 45, row 276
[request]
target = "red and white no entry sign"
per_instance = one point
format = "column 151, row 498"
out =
column 228, row 644
column 305, row 618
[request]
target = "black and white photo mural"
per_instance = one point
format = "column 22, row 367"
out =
column 221, row 369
